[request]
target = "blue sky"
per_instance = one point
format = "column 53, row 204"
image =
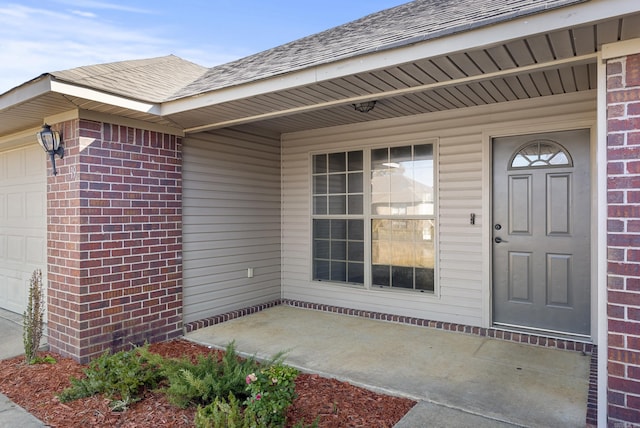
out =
column 49, row 35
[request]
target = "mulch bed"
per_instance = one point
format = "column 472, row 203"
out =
column 333, row 403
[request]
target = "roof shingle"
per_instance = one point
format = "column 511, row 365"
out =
column 152, row 80
column 412, row 22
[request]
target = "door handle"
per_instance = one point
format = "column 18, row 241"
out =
column 498, row 240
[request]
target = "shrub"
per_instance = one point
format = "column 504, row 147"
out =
column 209, row 378
column 272, row 392
column 121, row 376
column 33, row 318
column 225, row 414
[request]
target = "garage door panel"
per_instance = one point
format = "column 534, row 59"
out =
column 35, row 250
column 15, row 292
column 16, row 163
column 15, row 208
column 23, row 223
column 35, row 205
column 35, row 167
column 15, row 248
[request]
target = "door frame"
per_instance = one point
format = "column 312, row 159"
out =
column 568, row 122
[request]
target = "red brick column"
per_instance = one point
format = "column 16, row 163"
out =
column 114, row 239
column 623, row 239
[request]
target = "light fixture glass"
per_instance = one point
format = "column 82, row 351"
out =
column 50, row 141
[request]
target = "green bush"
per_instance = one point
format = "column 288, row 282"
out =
column 272, row 392
column 121, row 376
column 209, row 378
column 265, row 390
column 225, row 414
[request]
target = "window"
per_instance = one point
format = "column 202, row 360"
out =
column 400, row 214
column 338, row 226
column 540, row 153
column 402, row 217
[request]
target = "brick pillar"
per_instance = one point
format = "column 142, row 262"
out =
column 114, row 239
column 623, row 239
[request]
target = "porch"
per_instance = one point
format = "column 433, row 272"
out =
column 458, row 379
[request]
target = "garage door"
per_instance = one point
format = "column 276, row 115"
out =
column 23, row 223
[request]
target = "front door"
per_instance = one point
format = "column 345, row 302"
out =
column 541, row 232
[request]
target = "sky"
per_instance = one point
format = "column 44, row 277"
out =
column 43, row 36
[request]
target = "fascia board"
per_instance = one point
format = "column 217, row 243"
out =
column 583, row 13
column 26, row 92
column 102, row 97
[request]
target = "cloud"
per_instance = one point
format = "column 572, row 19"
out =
column 90, row 4
column 84, row 14
column 29, row 48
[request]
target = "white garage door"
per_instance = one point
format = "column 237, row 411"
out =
column 23, row 223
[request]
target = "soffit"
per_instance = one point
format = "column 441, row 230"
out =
column 30, row 114
column 553, row 63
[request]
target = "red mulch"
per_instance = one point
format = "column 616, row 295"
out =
column 335, row 403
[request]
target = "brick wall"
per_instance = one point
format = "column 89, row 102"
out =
column 623, row 193
column 114, row 239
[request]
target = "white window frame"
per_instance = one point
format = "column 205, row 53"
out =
column 367, row 216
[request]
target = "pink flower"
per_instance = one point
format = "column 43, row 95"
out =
column 258, row 396
column 251, row 378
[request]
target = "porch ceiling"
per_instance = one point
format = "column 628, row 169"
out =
column 545, row 64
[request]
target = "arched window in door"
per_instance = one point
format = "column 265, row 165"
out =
column 540, row 153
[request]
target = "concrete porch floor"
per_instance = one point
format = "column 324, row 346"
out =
column 458, row 380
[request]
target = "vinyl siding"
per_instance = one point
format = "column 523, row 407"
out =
column 463, row 168
column 231, row 222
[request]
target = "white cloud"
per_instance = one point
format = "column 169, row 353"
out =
column 90, row 4
column 84, row 14
column 34, row 41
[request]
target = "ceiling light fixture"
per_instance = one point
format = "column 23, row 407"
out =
column 365, row 107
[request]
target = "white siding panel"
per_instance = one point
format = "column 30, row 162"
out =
column 231, row 222
column 462, row 166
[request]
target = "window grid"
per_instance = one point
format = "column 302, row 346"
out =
column 401, row 217
column 338, row 197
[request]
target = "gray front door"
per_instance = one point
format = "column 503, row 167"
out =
column 541, row 231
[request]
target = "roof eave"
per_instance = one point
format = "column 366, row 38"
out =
column 87, row 93
column 555, row 19
column 47, row 83
column 27, row 91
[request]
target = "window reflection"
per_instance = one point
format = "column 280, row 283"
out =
column 541, row 153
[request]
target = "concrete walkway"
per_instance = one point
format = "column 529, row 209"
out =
column 458, row 380
column 12, row 415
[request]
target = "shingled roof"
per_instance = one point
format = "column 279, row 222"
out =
column 409, row 23
column 153, row 80
column 168, row 78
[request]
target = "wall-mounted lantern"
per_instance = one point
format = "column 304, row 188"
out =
column 50, row 142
